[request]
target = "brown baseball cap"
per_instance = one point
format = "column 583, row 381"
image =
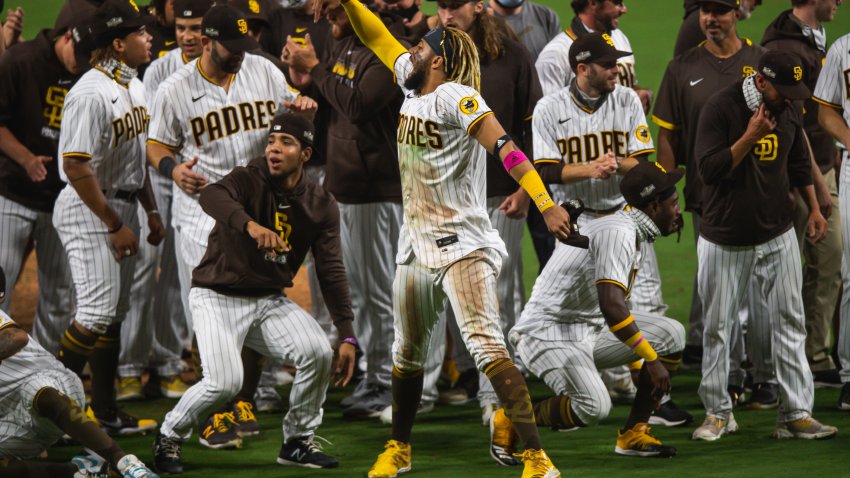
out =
column 784, row 70
column 594, row 47
column 115, row 19
column 254, row 10
column 647, row 182
column 229, row 27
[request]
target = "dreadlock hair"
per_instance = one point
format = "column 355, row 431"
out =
column 103, row 54
column 466, row 69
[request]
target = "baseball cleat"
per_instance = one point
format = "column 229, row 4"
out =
column 246, row 422
column 90, row 467
column 502, row 439
column 764, row 397
column 131, row 467
column 844, row 401
column 305, row 452
column 395, row 460
column 129, row 388
column 714, row 427
column 172, row 386
column 219, row 432
column 669, row 415
column 806, row 428
column 167, row 455
column 637, row 441
column 118, row 422
column 267, row 400
column 538, row 465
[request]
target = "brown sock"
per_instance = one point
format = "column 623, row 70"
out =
column 76, row 347
column 556, row 412
column 407, row 392
column 512, row 391
column 38, row 469
column 104, row 368
column 252, row 367
column 71, row 419
column 196, row 360
column 644, row 403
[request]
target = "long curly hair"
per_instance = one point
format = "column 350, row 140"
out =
column 466, row 68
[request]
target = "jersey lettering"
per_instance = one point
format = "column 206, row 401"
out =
column 130, row 126
column 55, row 101
column 588, row 147
column 283, row 228
column 230, row 120
column 419, row 132
column 626, row 74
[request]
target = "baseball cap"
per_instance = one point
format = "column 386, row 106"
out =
column 253, row 9
column 594, row 47
column 229, row 27
column 115, row 19
column 784, row 70
column 732, row 4
column 649, row 181
column 298, row 126
column 191, row 8
column 83, row 41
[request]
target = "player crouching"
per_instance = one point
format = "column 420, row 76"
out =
column 39, row 402
column 268, row 216
column 562, row 335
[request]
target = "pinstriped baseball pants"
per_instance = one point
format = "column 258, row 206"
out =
column 844, row 326
column 273, row 326
column 568, row 357
column 55, row 310
column 724, row 273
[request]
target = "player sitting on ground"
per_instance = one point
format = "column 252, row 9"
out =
column 39, row 402
column 561, row 335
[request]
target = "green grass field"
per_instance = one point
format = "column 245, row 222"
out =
column 450, row 443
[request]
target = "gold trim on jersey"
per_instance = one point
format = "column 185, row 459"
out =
column 184, row 58
column 827, row 103
column 643, row 151
column 77, row 155
column 166, row 146
column 528, row 118
column 570, row 33
column 581, row 106
column 9, row 324
column 204, row 75
column 612, row 281
column 664, row 124
column 546, row 161
column 477, row 120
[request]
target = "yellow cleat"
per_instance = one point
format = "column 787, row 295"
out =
column 538, row 465
column 90, row 415
column 172, row 386
column 502, row 439
column 393, row 461
column 638, row 441
column 129, row 388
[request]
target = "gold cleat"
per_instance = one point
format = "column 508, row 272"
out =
column 538, row 465
column 393, row 461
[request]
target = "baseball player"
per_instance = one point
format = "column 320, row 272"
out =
column 750, row 152
column 447, row 246
column 101, row 156
column 268, row 216
column 534, row 24
column 154, row 330
column 691, row 34
column 561, row 335
column 34, row 79
column 833, row 93
column 603, row 16
column 161, row 25
column 207, row 118
column 40, row 402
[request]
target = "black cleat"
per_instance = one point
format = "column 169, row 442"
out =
column 306, row 453
column 166, row 455
column 669, row 415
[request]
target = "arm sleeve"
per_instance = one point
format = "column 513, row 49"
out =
column 713, row 151
column 640, row 140
column 613, row 252
column 330, row 271
column 553, row 67
column 460, row 106
column 666, row 112
column 799, row 162
column 224, row 200
column 830, row 82
column 83, row 119
column 164, row 127
column 547, row 156
column 371, row 93
column 373, row 33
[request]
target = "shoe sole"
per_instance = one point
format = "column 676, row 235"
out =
column 248, row 434
column 654, row 420
column 784, row 434
column 285, row 462
column 763, row 406
column 231, row 445
column 640, row 454
column 401, row 470
column 129, row 431
column 844, row 406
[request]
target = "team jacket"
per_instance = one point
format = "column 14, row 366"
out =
column 307, row 218
column 33, row 85
column 785, row 33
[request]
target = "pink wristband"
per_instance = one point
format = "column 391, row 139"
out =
column 512, row 159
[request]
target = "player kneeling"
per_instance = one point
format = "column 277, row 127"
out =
column 269, row 215
column 39, row 402
column 562, row 335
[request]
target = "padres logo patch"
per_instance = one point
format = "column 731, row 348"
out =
column 253, row 6
column 243, row 26
column 798, row 73
column 748, row 70
column 642, row 134
column 607, row 39
column 766, row 148
column 468, row 105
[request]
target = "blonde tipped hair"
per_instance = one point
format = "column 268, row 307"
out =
column 465, row 68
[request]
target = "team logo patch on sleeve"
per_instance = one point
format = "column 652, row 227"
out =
column 642, row 134
column 468, row 105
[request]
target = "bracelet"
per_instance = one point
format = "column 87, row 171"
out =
column 166, row 166
column 625, row 323
column 152, row 212
column 349, row 340
column 117, row 228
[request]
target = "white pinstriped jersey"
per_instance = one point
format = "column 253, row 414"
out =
column 193, row 116
column 833, row 87
column 15, row 369
column 553, row 64
column 106, row 122
column 160, row 69
column 443, row 174
column 567, row 132
column 565, row 291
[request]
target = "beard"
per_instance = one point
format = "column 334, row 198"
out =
column 416, row 79
column 229, row 65
column 775, row 107
column 600, row 83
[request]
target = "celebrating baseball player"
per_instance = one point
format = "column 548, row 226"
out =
column 750, row 152
column 40, row 402
column 561, row 335
column 268, row 216
column 101, row 151
column 447, row 247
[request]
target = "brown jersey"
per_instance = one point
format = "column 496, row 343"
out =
column 307, row 219
column 690, row 80
column 690, row 34
column 751, row 204
column 285, row 22
column 33, row 85
column 786, row 33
